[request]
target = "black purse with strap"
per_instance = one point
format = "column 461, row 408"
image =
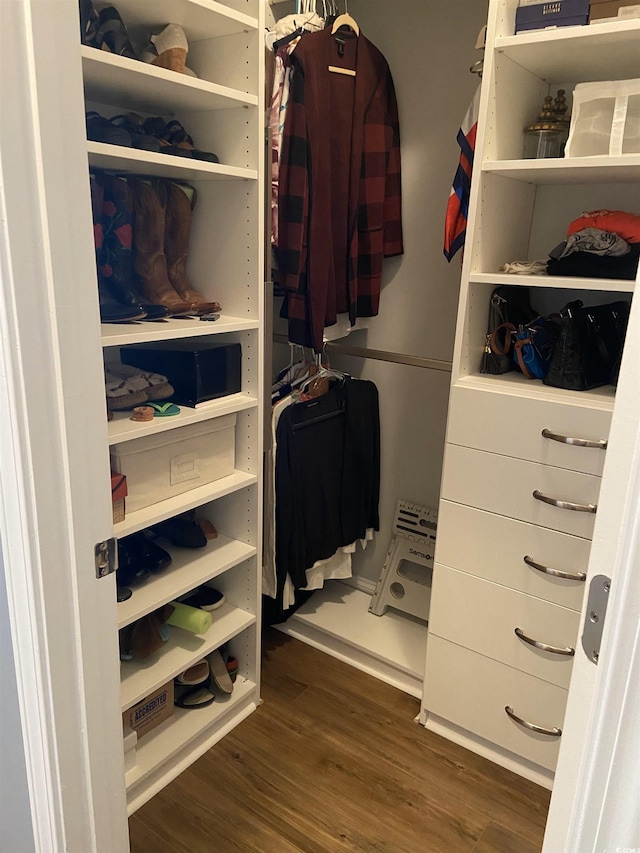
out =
column 589, row 346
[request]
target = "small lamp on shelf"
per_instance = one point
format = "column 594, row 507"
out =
column 546, row 136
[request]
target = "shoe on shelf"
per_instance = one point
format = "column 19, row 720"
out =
column 144, row 552
column 176, row 140
column 88, row 23
column 134, row 126
column 111, row 33
column 100, row 129
column 115, row 264
column 219, row 673
column 154, row 385
column 206, row 598
column 179, row 136
column 149, row 259
column 168, row 49
column 195, row 696
column 183, row 531
column 181, row 200
column 197, row 673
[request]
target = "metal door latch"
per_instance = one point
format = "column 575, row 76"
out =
column 106, row 557
column 596, row 612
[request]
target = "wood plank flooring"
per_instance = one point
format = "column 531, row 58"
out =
column 333, row 761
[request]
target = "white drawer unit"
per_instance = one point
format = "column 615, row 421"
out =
column 541, row 494
column 475, row 699
column 535, row 560
column 524, row 632
column 558, row 434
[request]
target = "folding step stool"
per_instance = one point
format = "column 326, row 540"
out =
column 405, row 580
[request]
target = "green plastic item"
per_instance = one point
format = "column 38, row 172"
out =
column 164, row 410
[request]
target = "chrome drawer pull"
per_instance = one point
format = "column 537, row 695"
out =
column 564, row 504
column 577, row 442
column 556, row 573
column 555, row 650
column 554, row 732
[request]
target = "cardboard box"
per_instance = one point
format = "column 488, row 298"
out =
column 171, row 463
column 199, row 370
column 118, row 494
column 151, row 711
column 561, row 13
column 606, row 8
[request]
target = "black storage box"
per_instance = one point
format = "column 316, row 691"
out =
column 561, row 13
column 199, row 370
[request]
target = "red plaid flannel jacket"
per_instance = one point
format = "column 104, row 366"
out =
column 340, row 200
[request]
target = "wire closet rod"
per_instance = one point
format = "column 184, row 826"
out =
column 380, row 355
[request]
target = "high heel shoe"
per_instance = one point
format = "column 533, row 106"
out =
column 112, row 34
column 168, row 49
column 176, row 139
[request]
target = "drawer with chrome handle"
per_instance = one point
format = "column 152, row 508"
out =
column 536, row 560
column 567, row 651
column 533, row 727
column 505, row 486
column 526, row 633
column 471, row 691
column 555, row 433
column 562, row 504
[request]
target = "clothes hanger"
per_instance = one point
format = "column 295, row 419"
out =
column 345, row 20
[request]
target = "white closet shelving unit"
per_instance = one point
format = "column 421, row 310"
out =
column 222, row 109
column 495, row 454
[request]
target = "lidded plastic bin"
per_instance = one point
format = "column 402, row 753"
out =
column 605, row 120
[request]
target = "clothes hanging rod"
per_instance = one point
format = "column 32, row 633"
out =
column 379, row 355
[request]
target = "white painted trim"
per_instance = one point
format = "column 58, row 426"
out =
column 596, row 801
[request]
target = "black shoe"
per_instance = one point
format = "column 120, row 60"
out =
column 141, row 557
column 112, row 33
column 131, row 570
column 181, row 531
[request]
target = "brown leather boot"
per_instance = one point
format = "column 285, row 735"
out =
column 150, row 263
column 176, row 246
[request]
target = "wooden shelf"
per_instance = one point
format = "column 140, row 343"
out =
column 577, row 54
column 112, row 79
column 122, row 428
column 181, row 503
column 190, row 568
column 200, row 19
column 608, row 285
column 134, row 161
column 140, row 678
column 165, row 752
column 122, row 334
column 515, row 383
column 574, row 170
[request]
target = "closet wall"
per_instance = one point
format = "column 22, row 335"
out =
column 429, row 49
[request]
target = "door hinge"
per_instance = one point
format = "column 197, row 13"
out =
column 596, row 612
column 106, row 557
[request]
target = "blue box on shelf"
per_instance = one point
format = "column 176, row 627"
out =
column 560, row 13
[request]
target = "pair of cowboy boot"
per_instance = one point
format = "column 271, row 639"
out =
column 162, row 227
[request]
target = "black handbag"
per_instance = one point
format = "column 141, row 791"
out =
column 589, row 345
column 510, row 306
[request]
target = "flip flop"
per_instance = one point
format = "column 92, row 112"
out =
column 164, row 410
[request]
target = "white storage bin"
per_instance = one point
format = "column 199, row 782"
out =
column 161, row 466
column 605, row 119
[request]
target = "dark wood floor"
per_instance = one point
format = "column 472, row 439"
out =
column 333, row 761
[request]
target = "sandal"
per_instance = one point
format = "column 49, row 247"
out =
column 178, row 136
column 100, row 129
column 133, row 125
column 111, row 33
column 156, row 127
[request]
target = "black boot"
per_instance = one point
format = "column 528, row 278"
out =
column 111, row 311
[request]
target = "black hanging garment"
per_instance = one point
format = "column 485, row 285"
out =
column 327, row 476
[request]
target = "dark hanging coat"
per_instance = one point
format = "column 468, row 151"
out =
column 340, row 202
